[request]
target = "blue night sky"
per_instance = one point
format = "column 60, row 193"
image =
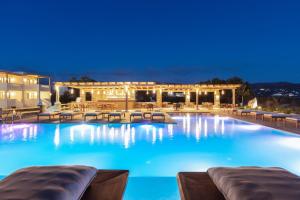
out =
column 155, row 40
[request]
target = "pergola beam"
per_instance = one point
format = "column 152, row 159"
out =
column 151, row 86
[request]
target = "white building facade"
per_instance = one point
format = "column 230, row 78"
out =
column 23, row 90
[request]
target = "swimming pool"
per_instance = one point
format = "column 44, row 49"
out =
column 153, row 153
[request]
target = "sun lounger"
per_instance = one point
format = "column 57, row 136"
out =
column 147, row 115
column 95, row 114
column 64, row 183
column 115, row 114
column 276, row 116
column 105, row 114
column 136, row 113
column 47, row 114
column 197, row 186
column 68, row 114
column 243, row 112
column 233, row 111
column 258, row 114
column 158, row 114
column 295, row 119
column 239, row 184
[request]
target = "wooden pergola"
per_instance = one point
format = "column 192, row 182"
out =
column 124, row 91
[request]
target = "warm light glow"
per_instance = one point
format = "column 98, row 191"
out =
column 126, row 88
column 223, row 92
column 205, row 92
column 251, row 127
column 57, row 136
column 292, row 142
column 72, row 91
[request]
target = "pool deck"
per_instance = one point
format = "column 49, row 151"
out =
column 126, row 119
column 280, row 124
column 80, row 119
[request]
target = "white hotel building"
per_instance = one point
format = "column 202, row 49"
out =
column 18, row 89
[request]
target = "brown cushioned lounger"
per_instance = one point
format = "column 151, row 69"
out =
column 197, row 186
column 64, row 183
column 108, row 184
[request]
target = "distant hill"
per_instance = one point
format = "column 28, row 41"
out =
column 278, row 89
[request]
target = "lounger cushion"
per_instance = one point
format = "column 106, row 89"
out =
column 115, row 114
column 293, row 118
column 48, row 113
column 92, row 114
column 136, row 114
column 47, row 183
column 158, row 114
column 246, row 183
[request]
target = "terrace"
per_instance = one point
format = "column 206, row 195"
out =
column 122, row 95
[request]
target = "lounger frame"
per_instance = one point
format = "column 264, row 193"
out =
column 197, row 186
column 108, row 185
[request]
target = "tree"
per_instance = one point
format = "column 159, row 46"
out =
column 245, row 93
column 73, row 79
column 67, row 97
column 86, row 79
column 82, row 79
column 235, row 80
column 217, row 81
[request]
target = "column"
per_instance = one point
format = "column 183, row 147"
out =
column 39, row 103
column 57, row 94
column 23, row 92
column 6, row 91
column 159, row 98
column 187, row 98
column 233, row 98
column 217, row 99
column 197, row 99
column 126, row 98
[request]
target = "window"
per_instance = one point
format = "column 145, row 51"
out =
column 31, row 95
column 2, row 94
column 88, row 96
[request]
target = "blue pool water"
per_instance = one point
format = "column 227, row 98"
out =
column 153, row 153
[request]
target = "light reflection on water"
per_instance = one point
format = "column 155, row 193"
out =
column 119, row 133
column 195, row 143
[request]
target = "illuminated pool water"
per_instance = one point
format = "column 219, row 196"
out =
column 153, row 153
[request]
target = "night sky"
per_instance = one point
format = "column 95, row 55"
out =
column 155, row 40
